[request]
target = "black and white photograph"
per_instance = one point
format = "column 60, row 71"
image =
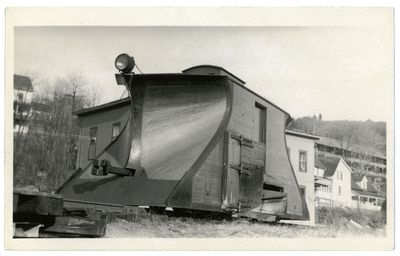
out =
column 220, row 124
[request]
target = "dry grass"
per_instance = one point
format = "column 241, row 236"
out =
column 162, row 226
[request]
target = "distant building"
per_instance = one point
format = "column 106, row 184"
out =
column 100, row 125
column 332, row 182
column 365, row 195
column 361, row 159
column 41, row 113
column 322, row 185
column 23, row 90
column 301, row 151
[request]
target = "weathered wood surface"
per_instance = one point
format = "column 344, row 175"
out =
column 37, row 212
column 231, row 176
column 77, row 226
column 278, row 170
column 207, row 182
column 179, row 120
column 38, row 203
column 276, row 206
column 243, row 177
column 253, row 155
column 71, row 205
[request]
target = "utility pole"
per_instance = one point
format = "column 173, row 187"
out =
column 314, row 122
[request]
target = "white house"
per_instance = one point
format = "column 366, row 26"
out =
column 23, row 91
column 322, row 185
column 360, row 181
column 300, row 148
column 332, row 182
column 364, row 195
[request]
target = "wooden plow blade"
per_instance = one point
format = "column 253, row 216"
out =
column 173, row 125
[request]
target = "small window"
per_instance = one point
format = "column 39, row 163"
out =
column 93, row 134
column 340, row 191
column 272, row 187
column 20, row 96
column 341, row 176
column 116, row 129
column 92, row 143
column 303, row 161
column 260, row 123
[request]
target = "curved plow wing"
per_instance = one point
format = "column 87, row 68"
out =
column 172, row 122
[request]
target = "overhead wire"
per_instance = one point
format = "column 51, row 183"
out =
column 138, row 69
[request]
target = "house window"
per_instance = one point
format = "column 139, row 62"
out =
column 92, row 143
column 341, row 176
column 116, row 129
column 20, row 96
column 260, row 123
column 303, row 161
column 339, row 190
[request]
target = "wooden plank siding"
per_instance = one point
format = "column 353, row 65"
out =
column 254, row 155
column 207, row 182
column 278, row 170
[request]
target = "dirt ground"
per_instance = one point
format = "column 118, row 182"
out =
column 158, row 226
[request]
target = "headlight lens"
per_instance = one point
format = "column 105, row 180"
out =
column 124, row 63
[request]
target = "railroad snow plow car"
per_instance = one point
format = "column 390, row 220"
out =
column 192, row 141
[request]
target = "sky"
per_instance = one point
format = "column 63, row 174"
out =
column 344, row 73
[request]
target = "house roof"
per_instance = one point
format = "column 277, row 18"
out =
column 322, row 180
column 38, row 106
column 319, row 164
column 371, row 188
column 354, row 180
column 352, row 147
column 102, row 107
column 357, row 178
column 23, row 83
column 327, row 164
column 301, row 134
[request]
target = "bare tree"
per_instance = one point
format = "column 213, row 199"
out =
column 48, row 155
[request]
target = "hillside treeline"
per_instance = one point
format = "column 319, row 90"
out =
column 364, row 133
